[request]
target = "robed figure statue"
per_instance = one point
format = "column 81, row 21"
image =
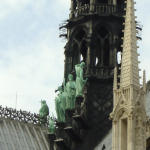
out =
column 80, row 82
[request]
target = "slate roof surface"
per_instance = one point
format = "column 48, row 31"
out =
column 18, row 133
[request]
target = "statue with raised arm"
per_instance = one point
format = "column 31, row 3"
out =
column 80, row 82
column 51, row 126
column 71, row 92
column 44, row 112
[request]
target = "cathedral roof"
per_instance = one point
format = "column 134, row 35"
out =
column 20, row 130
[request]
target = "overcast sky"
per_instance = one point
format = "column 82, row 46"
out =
column 31, row 52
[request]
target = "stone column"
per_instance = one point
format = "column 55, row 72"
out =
column 89, row 48
column 110, row 50
column 131, row 135
column 114, row 136
column 92, row 3
column 88, row 59
column 114, row 2
column 67, row 64
column 102, row 52
column 72, row 9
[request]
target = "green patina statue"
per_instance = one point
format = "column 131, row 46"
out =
column 60, row 105
column 44, row 112
column 70, row 92
column 51, row 125
column 80, row 82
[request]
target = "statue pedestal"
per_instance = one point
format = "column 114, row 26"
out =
column 80, row 121
column 79, row 100
column 52, row 137
column 69, row 113
column 60, row 124
column 71, row 133
column 60, row 129
column 60, row 145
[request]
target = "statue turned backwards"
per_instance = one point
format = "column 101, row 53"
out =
column 80, row 82
column 44, row 112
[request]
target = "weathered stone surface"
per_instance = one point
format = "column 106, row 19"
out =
column 94, row 38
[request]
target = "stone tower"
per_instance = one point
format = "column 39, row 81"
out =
column 94, row 32
column 129, row 115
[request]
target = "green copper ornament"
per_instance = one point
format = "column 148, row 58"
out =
column 80, row 82
column 44, row 112
column 60, row 105
column 71, row 92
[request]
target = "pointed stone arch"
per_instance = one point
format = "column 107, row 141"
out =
column 79, row 32
column 122, row 111
column 103, row 35
column 78, row 47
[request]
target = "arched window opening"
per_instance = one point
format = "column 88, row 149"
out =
column 119, row 2
column 103, row 51
column 79, row 36
column 81, row 59
column 119, row 58
column 103, row 32
column 98, row 52
column 106, row 53
column 83, row 50
column 75, row 55
column 96, row 63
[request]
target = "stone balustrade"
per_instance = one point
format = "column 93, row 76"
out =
column 101, row 9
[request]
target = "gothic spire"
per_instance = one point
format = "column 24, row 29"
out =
column 129, row 64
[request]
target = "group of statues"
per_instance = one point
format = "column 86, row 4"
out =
column 68, row 92
column 65, row 99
